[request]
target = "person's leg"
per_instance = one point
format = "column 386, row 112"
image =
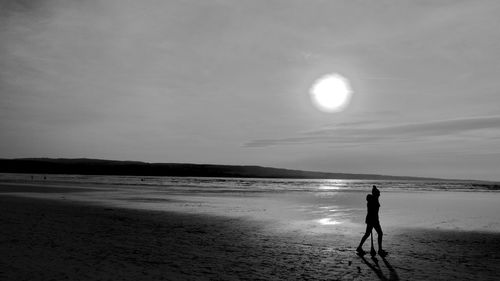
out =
column 365, row 236
column 380, row 235
column 381, row 251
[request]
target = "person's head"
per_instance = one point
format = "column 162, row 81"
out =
column 375, row 191
column 369, row 197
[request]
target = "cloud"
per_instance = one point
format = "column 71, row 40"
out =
column 367, row 132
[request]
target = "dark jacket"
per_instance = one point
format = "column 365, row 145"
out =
column 373, row 205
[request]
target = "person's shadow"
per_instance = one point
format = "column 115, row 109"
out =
column 393, row 275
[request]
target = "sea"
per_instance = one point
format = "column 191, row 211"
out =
column 214, row 184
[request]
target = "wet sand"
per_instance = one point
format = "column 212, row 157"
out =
column 61, row 239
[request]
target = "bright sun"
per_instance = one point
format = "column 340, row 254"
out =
column 331, row 92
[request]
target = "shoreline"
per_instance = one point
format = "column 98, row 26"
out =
column 60, row 239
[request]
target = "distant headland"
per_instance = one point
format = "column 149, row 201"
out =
column 86, row 166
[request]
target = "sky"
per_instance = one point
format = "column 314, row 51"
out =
column 227, row 82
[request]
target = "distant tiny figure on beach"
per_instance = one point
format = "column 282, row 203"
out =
column 372, row 222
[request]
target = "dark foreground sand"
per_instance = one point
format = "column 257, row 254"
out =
column 62, row 240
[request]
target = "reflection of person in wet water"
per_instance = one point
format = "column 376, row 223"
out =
column 372, row 221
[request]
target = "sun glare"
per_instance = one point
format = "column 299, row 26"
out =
column 331, row 93
column 328, row 221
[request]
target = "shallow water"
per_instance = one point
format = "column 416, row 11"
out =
column 310, row 206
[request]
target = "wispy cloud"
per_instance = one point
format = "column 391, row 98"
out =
column 367, row 132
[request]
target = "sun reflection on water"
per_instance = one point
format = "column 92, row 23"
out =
column 333, row 185
column 328, row 221
column 329, row 187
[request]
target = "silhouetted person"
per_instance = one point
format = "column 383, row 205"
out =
column 372, row 222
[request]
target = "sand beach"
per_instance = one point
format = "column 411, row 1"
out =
column 51, row 232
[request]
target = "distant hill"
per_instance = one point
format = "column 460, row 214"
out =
column 110, row 167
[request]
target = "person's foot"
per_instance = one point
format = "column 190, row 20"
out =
column 360, row 251
column 382, row 253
